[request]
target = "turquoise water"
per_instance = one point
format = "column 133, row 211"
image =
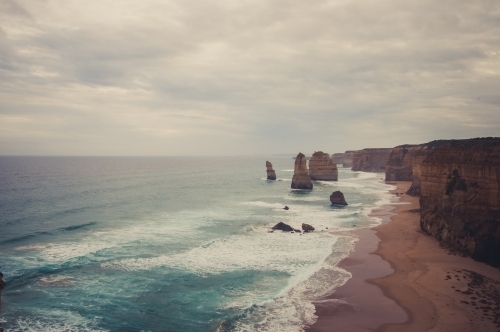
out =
column 170, row 243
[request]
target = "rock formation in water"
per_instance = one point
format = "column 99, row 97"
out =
column 337, row 198
column 271, row 175
column 371, row 160
column 348, row 158
column 2, row 286
column 338, row 158
column 460, row 197
column 321, row 167
column 281, row 226
column 405, row 163
column 301, row 178
column 307, row 228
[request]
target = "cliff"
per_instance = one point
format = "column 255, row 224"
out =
column 399, row 166
column 370, row 160
column 338, row 158
column 321, row 167
column 271, row 175
column 348, row 157
column 460, row 197
column 301, row 178
column 405, row 163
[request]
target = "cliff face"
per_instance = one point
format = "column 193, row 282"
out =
column 338, row 158
column 301, row 178
column 348, row 157
column 321, row 167
column 399, row 166
column 460, row 197
column 370, row 160
column 271, row 174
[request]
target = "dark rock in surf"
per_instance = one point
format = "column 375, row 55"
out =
column 281, row 226
column 286, row 208
column 307, row 228
column 337, row 198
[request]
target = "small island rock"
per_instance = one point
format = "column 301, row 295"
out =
column 337, row 198
column 281, row 226
column 307, row 228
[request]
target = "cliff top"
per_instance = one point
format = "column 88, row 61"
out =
column 485, row 151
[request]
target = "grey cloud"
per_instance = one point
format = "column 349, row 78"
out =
column 289, row 72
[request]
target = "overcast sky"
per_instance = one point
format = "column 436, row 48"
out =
column 224, row 77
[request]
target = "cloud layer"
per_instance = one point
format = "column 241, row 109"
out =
column 185, row 77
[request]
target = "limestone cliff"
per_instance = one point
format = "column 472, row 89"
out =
column 338, row 158
column 301, row 178
column 370, row 160
column 399, row 166
column 271, row 175
column 405, row 163
column 348, row 157
column 321, row 167
column 460, row 197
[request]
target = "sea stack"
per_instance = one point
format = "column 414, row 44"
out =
column 2, row 285
column 321, row 167
column 301, row 178
column 271, row 175
column 337, row 198
column 338, row 158
column 460, row 197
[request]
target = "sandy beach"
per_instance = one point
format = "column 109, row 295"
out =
column 403, row 280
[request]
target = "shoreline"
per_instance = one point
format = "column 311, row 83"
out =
column 420, row 286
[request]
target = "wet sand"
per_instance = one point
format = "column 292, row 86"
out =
column 418, row 286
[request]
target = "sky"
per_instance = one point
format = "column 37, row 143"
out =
column 226, row 77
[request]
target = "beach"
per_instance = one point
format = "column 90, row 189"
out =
column 434, row 289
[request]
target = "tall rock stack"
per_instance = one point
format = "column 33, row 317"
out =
column 271, row 175
column 371, row 160
column 321, row 167
column 301, row 178
column 348, row 158
column 460, row 197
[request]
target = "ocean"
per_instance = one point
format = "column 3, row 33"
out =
column 171, row 243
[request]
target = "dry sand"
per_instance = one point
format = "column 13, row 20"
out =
column 435, row 290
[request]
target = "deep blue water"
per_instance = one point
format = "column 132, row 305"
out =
column 170, row 243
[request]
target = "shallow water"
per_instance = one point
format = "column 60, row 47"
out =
column 170, row 243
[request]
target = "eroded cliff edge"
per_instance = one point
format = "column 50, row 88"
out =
column 405, row 163
column 371, row 160
column 321, row 167
column 460, row 197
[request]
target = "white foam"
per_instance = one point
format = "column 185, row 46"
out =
column 57, row 280
column 55, row 321
column 263, row 251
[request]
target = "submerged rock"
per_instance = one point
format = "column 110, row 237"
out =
column 301, row 178
column 271, row 174
column 337, row 198
column 286, row 208
column 307, row 228
column 281, row 226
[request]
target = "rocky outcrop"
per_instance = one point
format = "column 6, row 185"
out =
column 281, row 226
column 307, row 228
column 337, row 198
column 371, row 160
column 321, row 167
column 348, row 158
column 460, row 197
column 301, row 178
column 2, row 286
column 338, row 158
column 271, row 175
